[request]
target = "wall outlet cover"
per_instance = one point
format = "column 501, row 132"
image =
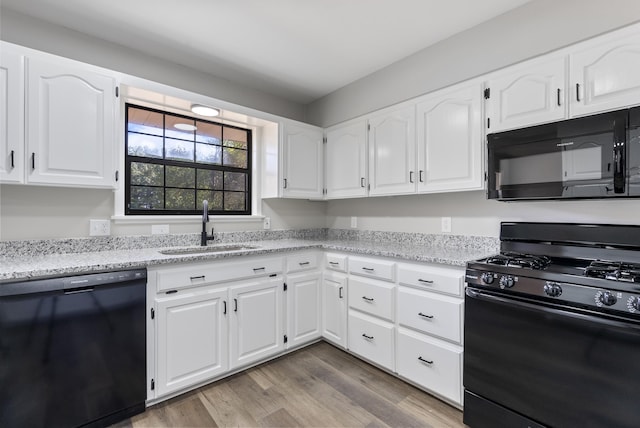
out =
column 99, row 227
column 266, row 223
column 354, row 222
column 446, row 224
column 159, row 229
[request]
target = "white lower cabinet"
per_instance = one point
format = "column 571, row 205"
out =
column 430, row 313
column 191, row 338
column 334, row 308
column 372, row 339
column 256, row 320
column 433, row 364
column 303, row 308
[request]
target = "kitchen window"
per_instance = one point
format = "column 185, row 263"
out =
column 174, row 162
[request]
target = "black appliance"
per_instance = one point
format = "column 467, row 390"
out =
column 552, row 328
column 73, row 350
column 589, row 157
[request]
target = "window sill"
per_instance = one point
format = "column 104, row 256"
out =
column 183, row 219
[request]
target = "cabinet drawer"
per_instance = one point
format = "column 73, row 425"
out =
column 435, row 365
column 430, row 313
column 372, row 297
column 336, row 262
column 372, row 339
column 446, row 280
column 374, row 268
column 197, row 274
column 301, row 262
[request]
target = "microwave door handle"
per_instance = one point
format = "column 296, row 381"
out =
column 619, row 158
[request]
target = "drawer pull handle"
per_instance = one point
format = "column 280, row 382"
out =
column 340, row 292
column 225, row 307
column 171, row 292
column 368, row 269
column 258, row 269
column 425, row 316
column 367, row 299
column 235, row 305
column 367, row 337
column 425, row 361
column 425, row 281
column 193, row 278
column 303, row 263
column 334, row 263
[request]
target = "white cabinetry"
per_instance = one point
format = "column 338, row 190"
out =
column 449, row 129
column 304, row 282
column 346, row 160
column 70, row 124
column 605, row 72
column 392, row 152
column 334, row 299
column 11, row 116
column 302, row 160
column 192, row 338
column 526, row 94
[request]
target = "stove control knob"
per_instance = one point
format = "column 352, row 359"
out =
column 552, row 289
column 487, row 278
column 607, row 298
column 506, row 282
column 635, row 303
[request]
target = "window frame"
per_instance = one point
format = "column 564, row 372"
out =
column 129, row 159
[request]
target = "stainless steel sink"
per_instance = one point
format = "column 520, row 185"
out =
column 205, row 250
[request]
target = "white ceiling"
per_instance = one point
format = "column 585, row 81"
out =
column 299, row 50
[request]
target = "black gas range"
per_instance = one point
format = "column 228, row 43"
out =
column 552, row 328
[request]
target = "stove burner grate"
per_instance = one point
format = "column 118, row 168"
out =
column 519, row 260
column 617, row 271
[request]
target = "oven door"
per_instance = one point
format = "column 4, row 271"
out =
column 577, row 158
column 529, row 362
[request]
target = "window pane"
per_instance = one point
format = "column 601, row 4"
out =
column 147, row 174
column 146, row 198
column 208, row 179
column 144, row 145
column 214, row 199
column 206, row 153
column 234, row 201
column 178, row 150
column 172, row 132
column 235, row 181
column 208, row 133
column 180, row 199
column 234, row 157
column 145, row 121
column 235, row 138
column 178, row 176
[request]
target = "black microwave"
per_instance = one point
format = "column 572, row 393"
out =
column 588, row 157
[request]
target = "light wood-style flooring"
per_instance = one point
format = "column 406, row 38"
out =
column 317, row 386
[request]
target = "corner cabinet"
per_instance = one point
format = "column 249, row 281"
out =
column 303, row 283
column 392, row 152
column 11, row 116
column 449, row 129
column 302, row 161
column 334, row 300
column 346, row 160
column 70, row 124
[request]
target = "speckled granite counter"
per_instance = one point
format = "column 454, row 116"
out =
column 24, row 263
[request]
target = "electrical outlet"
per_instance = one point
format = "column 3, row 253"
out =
column 446, row 224
column 266, row 223
column 354, row 222
column 99, row 227
column 159, row 229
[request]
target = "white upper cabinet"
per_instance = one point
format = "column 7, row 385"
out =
column 346, row 160
column 605, row 73
column 527, row 94
column 11, row 117
column 302, row 148
column 392, row 152
column 449, row 129
column 70, row 132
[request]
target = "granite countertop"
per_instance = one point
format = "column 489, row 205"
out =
column 29, row 266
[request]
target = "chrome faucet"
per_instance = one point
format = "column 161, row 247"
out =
column 205, row 219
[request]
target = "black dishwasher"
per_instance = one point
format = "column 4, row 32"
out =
column 73, row 350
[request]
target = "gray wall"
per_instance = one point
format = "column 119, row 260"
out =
column 537, row 27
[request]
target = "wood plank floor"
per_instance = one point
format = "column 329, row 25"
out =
column 317, row 386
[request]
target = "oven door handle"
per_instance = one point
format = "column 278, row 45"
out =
column 552, row 308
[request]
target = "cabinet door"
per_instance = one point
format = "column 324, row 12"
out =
column 302, row 162
column 346, row 161
column 303, row 307
column 256, row 321
column 392, row 152
column 450, row 141
column 334, row 308
column 11, row 117
column 605, row 74
column 527, row 94
column 70, row 125
column 191, row 339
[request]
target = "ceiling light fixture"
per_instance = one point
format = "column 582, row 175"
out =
column 201, row 110
column 185, row 127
